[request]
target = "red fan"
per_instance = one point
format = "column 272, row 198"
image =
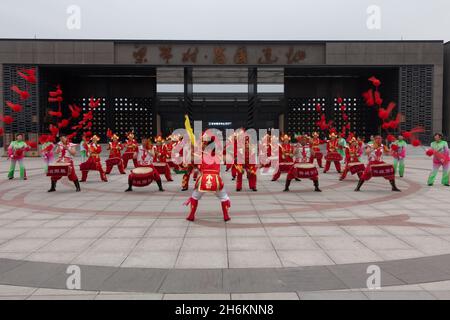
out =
column 54, row 130
column 390, row 138
column 383, row 114
column 429, row 152
column 14, row 106
column 416, row 142
column 71, row 136
column 394, row 147
column 43, row 138
column 64, row 123
column 6, row 119
column 56, row 93
column 23, row 94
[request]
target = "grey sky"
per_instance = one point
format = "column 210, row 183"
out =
column 227, row 19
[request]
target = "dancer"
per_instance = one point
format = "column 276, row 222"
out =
column 249, row 156
column 376, row 167
column 209, row 181
column 353, row 162
column 131, row 148
column 398, row 151
column 16, row 153
column 47, row 147
column 332, row 153
column 84, row 147
column 160, row 158
column 115, row 157
column 286, row 153
column 315, row 147
column 441, row 158
column 93, row 162
column 64, row 164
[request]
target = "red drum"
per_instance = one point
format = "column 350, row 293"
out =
column 333, row 156
column 382, row 170
column 113, row 161
column 59, row 169
column 141, row 177
column 356, row 167
column 160, row 167
column 305, row 170
column 285, row 166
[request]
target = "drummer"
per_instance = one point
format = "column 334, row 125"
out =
column 115, row 158
column 144, row 159
column 302, row 156
column 332, row 152
column 65, row 151
column 353, row 154
column 374, row 153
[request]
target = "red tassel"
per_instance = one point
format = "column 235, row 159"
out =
column 64, row 123
column 57, row 99
column 343, row 107
column 54, row 130
column 29, row 75
column 339, row 100
column 75, row 110
column 15, row 107
column 390, row 138
column 318, row 107
column 394, row 147
column 375, row 81
column 94, row 103
column 368, row 98
column 378, row 100
column 23, row 94
column 416, row 142
column 55, row 114
column 32, row 144
column 109, row 133
column 56, row 93
column 6, row 119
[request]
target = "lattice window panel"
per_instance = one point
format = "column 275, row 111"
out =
column 357, row 116
column 302, row 114
column 133, row 114
column 416, row 98
column 26, row 121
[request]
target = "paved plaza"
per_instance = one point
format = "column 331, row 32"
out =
column 278, row 245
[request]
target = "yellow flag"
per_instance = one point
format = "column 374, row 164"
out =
column 187, row 125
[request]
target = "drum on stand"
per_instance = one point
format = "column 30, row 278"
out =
column 305, row 170
column 384, row 170
column 59, row 169
column 285, row 166
column 356, row 167
column 141, row 177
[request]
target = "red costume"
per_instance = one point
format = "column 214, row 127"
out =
column 332, row 154
column 352, row 156
column 375, row 158
column 115, row 157
column 249, row 168
column 286, row 154
column 160, row 159
column 315, row 146
column 65, row 150
column 209, row 181
column 131, row 148
column 94, row 161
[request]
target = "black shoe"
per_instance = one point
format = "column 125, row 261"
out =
column 10, row 178
column 130, row 188
column 77, row 185
column 159, row 183
column 184, row 189
column 254, row 189
column 394, row 187
column 53, row 187
column 286, row 186
column 238, row 190
column 316, row 186
column 297, row 179
column 360, row 183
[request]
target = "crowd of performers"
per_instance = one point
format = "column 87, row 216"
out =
column 299, row 157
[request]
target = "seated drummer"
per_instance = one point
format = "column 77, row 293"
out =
column 302, row 155
column 65, row 151
column 144, row 159
column 374, row 152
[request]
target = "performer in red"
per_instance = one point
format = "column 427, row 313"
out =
column 353, row 159
column 144, row 159
column 115, row 158
column 250, row 168
column 131, row 148
column 209, row 181
column 160, row 158
column 191, row 169
column 315, row 146
column 376, row 166
column 302, row 167
column 66, row 151
column 332, row 153
column 94, row 161
column 286, row 154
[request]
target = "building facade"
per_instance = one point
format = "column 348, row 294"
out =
column 127, row 76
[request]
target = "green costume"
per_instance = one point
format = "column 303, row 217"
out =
column 440, row 159
column 399, row 157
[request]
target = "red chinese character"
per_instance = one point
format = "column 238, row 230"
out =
column 165, row 53
column 267, row 57
column 295, row 56
column 190, row 56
